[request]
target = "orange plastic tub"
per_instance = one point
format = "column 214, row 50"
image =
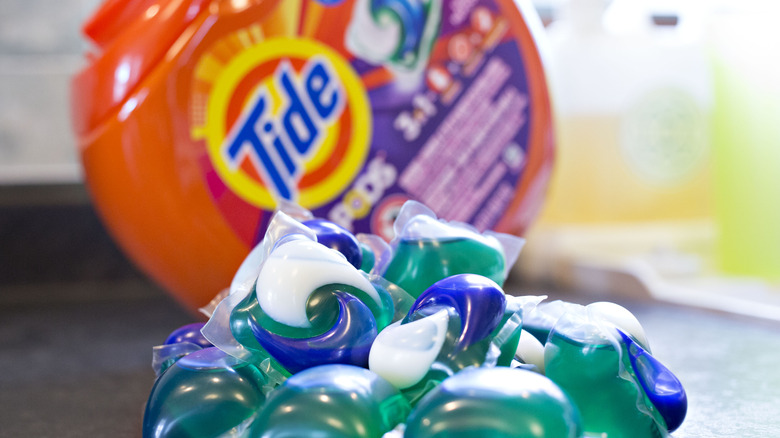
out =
column 194, row 118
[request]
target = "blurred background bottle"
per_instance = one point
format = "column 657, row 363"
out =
column 632, row 95
column 667, row 175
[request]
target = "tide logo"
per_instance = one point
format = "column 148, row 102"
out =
column 285, row 119
column 279, row 146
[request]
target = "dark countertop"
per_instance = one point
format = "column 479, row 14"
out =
column 75, row 360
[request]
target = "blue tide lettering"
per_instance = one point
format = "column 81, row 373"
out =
column 279, row 145
column 317, row 85
column 247, row 136
column 297, row 122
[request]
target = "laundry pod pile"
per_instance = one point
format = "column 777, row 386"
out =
column 324, row 333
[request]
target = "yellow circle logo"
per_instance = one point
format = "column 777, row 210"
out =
column 284, row 119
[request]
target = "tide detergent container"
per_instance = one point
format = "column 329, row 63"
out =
column 195, row 119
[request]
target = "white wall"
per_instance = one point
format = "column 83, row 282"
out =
column 40, row 48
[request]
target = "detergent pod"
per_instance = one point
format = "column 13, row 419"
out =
column 188, row 333
column 293, row 219
column 509, row 342
column 331, row 401
column 495, row 403
column 181, row 342
column 197, row 119
column 336, row 237
column 204, row 394
column 461, row 321
column 376, row 253
column 296, row 303
column 529, row 353
column 541, row 320
column 428, row 249
column 367, row 252
column 598, row 357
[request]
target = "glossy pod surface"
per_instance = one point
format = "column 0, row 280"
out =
column 427, row 250
column 418, row 263
column 188, row 333
column 662, row 387
column 495, row 403
column 331, row 401
column 204, row 394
